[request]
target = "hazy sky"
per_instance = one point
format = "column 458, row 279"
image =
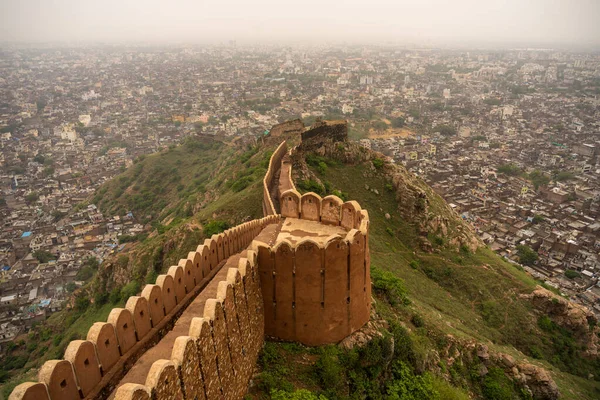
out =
column 517, row 22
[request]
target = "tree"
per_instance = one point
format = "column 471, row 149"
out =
column 526, row 255
column 43, row 256
column 32, row 197
column 571, row 274
column 398, row 122
column 537, row 219
column 380, row 126
column 509, row 169
column 445, row 130
column 538, row 178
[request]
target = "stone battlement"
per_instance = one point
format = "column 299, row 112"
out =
column 197, row 332
column 92, row 368
column 315, row 279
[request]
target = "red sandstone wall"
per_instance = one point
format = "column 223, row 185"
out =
column 317, row 294
column 91, row 366
column 274, row 166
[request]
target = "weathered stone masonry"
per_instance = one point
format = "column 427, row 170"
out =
column 214, row 361
column 314, row 292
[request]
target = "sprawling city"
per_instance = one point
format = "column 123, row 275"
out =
column 445, row 195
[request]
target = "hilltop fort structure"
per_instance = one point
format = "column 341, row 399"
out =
column 300, row 273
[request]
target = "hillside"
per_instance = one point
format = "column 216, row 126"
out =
column 182, row 195
column 451, row 319
column 448, row 308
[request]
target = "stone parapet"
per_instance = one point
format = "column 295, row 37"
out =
column 317, row 292
column 91, row 368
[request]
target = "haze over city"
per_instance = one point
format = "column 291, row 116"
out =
column 461, row 22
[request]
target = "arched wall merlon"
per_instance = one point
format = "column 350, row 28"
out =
column 59, row 377
column 163, row 381
column 363, row 222
column 176, row 272
column 195, row 258
column 122, row 320
column 82, row 354
column 213, row 256
column 204, row 259
column 140, row 311
column 220, row 252
column 331, row 209
column 189, row 277
column 200, row 330
column 290, row 204
column 30, row 391
column 350, row 212
column 154, row 297
column 186, row 361
column 104, row 336
column 132, row 391
column 310, row 207
column 167, row 288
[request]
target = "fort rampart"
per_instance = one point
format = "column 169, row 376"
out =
column 317, row 292
column 214, row 361
column 269, row 181
column 312, row 286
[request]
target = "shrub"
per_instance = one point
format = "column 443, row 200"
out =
column 131, row 289
column 378, row 163
column 417, row 320
column 328, row 369
column 407, row 385
column 214, row 227
column 571, row 274
column 389, row 231
column 414, row 264
column 389, row 286
column 301, row 394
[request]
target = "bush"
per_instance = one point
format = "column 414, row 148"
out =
column 214, row 227
column 417, row 320
column 301, row 394
column 131, row 289
column 328, row 369
column 389, row 231
column 497, row 386
column 407, row 385
column 389, row 286
column 571, row 274
column 378, row 163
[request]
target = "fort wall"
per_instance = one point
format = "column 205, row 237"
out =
column 91, row 368
column 317, row 292
column 269, row 179
column 311, row 291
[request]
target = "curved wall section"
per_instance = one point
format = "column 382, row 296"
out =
column 317, row 292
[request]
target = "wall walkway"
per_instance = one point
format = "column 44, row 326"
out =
column 143, row 349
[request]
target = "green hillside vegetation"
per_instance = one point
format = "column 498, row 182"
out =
column 184, row 194
column 432, row 306
column 436, row 305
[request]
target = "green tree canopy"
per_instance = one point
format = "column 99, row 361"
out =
column 526, row 255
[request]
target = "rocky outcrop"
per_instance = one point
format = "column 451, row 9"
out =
column 536, row 380
column 417, row 202
column 574, row 317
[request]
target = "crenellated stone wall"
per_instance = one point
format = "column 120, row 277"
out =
column 270, row 179
column 317, row 292
column 91, row 368
column 310, row 283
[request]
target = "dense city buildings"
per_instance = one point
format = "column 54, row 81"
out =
column 510, row 138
